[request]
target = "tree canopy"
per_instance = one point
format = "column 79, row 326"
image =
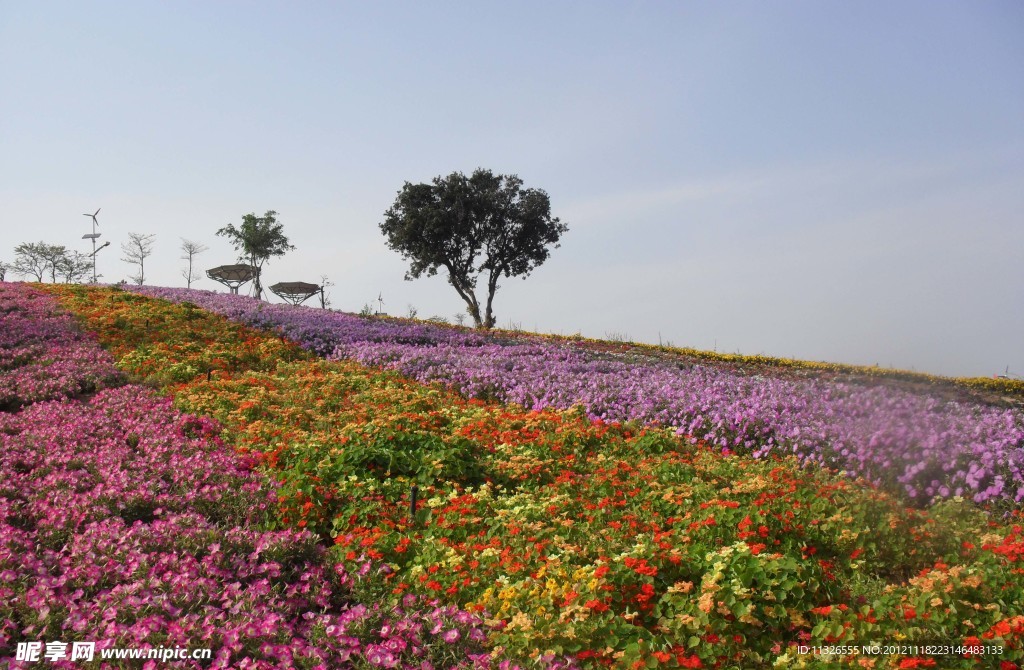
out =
column 31, row 259
column 479, row 227
column 256, row 240
column 38, row 259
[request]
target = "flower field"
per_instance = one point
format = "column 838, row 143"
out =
column 577, row 529
column 131, row 524
column 921, row 448
column 43, row 356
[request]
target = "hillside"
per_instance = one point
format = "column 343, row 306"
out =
column 541, row 536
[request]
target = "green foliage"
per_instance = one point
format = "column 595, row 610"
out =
column 476, row 226
column 39, row 259
column 256, row 240
column 621, row 545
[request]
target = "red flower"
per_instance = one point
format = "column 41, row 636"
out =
column 909, row 613
column 641, row 566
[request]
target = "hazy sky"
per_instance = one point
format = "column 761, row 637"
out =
column 837, row 181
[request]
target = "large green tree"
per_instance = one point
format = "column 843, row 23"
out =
column 256, row 240
column 478, row 228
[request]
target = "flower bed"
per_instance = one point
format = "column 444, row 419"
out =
column 921, row 448
column 613, row 544
column 130, row 524
column 43, row 355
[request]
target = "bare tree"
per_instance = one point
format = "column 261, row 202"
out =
column 325, row 297
column 4, row 267
column 136, row 250
column 191, row 250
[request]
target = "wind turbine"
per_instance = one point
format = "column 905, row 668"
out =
column 380, row 302
column 94, row 222
column 93, row 237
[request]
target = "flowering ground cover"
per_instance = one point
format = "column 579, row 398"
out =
column 43, row 355
column 128, row 523
column 921, row 448
column 614, row 544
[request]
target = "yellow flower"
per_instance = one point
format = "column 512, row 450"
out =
column 520, row 621
column 706, row 602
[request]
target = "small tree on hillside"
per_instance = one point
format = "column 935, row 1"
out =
column 4, row 267
column 191, row 250
column 325, row 297
column 256, row 240
column 74, row 267
column 56, row 257
column 31, row 259
column 483, row 226
column 136, row 250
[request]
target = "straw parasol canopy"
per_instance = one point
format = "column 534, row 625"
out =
column 295, row 292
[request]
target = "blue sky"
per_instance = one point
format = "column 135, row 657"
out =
column 823, row 180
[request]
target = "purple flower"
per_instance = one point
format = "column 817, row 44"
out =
column 892, row 438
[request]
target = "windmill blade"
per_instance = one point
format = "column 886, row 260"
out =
column 97, row 211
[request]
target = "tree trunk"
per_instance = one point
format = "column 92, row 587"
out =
column 474, row 311
column 492, row 286
column 468, row 295
column 257, row 286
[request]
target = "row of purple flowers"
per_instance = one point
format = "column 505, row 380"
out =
column 127, row 523
column 922, row 447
